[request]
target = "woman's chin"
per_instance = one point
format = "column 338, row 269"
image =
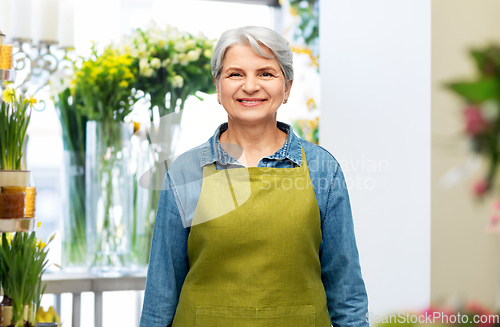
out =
column 253, row 118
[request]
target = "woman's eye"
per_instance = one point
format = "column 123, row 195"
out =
column 235, row 75
column 266, row 74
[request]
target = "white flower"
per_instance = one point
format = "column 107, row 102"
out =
column 143, row 63
column 142, row 47
column 208, row 53
column 134, row 53
column 183, row 59
column 148, row 72
column 156, row 63
column 175, row 58
column 180, row 46
column 145, row 68
column 153, row 26
column 190, row 44
column 193, row 55
column 177, row 81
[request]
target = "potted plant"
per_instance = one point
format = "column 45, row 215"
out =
column 15, row 113
column 23, row 260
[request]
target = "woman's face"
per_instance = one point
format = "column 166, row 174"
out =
column 251, row 87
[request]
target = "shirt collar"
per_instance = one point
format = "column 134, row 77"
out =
column 291, row 150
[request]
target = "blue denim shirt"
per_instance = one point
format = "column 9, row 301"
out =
column 168, row 265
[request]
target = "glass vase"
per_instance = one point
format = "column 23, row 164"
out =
column 74, row 244
column 155, row 144
column 109, row 197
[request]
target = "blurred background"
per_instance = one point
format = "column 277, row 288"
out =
column 403, row 94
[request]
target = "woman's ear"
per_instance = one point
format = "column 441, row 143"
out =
column 218, row 91
column 288, row 86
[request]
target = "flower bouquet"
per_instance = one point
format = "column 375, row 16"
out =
column 481, row 111
column 103, row 87
column 171, row 66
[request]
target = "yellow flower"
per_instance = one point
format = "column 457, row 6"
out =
column 123, row 84
column 9, row 236
column 31, row 101
column 39, row 224
column 311, row 104
column 94, row 73
column 128, row 75
column 47, row 316
column 40, row 244
column 9, row 95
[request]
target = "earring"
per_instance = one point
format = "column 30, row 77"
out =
column 285, row 101
column 218, row 99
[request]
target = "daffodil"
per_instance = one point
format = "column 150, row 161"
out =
column 40, row 244
column 9, row 237
column 9, row 95
column 30, row 100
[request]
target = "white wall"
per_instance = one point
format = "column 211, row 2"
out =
column 375, row 119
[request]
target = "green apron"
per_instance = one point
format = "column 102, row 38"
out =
column 253, row 251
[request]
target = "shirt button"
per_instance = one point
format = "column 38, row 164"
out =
column 264, row 161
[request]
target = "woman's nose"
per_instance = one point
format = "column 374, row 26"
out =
column 251, row 85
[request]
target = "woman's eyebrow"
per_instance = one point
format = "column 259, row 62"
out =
column 267, row 68
column 234, row 68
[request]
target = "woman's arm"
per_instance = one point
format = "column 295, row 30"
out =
column 340, row 269
column 168, row 262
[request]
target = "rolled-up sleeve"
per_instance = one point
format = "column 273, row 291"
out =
column 340, row 270
column 168, row 263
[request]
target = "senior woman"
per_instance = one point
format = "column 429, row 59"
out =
column 254, row 227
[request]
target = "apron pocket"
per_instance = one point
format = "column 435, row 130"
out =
column 297, row 316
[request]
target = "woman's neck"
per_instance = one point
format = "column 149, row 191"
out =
column 250, row 143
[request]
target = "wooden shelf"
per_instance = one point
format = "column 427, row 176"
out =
column 17, row 225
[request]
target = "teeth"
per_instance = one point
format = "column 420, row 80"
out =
column 244, row 101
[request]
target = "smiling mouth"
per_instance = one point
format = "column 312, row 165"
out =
column 251, row 101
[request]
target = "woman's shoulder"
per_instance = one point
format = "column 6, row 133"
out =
column 319, row 159
column 187, row 165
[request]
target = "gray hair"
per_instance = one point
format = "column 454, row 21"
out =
column 253, row 35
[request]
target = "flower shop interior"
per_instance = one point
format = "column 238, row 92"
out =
column 402, row 93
